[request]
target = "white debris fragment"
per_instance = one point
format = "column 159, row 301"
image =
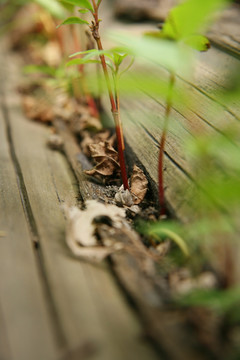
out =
column 55, row 142
column 80, row 234
column 123, row 197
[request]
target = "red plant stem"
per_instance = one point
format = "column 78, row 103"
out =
column 161, row 191
column 114, row 102
column 121, row 148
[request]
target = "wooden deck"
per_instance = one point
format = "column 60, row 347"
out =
column 206, row 112
column 52, row 305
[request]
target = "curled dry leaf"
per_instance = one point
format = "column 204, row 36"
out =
column 81, row 228
column 86, row 122
column 101, row 136
column 138, row 185
column 106, row 159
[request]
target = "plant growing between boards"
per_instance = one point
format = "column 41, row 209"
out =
column 173, row 32
column 116, row 58
column 218, row 157
column 181, row 29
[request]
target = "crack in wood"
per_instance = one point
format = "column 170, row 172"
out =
column 55, row 321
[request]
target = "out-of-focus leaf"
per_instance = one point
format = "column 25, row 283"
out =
column 83, row 11
column 142, row 83
column 168, row 54
column 82, row 61
column 190, row 17
column 163, row 230
column 197, row 42
column 73, row 20
column 81, row 3
column 92, row 52
column 218, row 300
column 53, row 7
column 43, row 69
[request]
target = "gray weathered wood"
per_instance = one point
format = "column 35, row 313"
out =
column 225, row 33
column 25, row 325
column 84, row 296
column 205, row 113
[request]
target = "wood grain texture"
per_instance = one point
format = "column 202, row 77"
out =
column 204, row 112
column 134, row 269
column 93, row 317
column 26, row 330
column 225, row 33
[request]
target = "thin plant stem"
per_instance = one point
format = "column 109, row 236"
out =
column 161, row 190
column 89, row 99
column 114, row 100
column 119, row 133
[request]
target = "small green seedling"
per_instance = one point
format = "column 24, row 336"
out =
column 115, row 59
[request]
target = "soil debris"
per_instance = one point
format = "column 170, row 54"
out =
column 182, row 282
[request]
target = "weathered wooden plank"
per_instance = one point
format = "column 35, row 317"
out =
column 87, row 189
column 26, row 325
column 225, row 32
column 205, row 113
column 135, row 271
column 79, row 301
column 5, row 353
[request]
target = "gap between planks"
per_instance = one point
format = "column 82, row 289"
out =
column 79, row 302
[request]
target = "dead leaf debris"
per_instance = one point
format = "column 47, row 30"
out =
column 138, row 185
column 81, row 227
column 106, row 159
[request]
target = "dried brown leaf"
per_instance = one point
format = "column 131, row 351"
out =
column 83, row 122
column 106, row 159
column 37, row 109
column 88, row 138
column 138, row 185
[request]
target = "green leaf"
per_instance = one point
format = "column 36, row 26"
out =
column 83, row 11
column 53, row 7
column 190, row 17
column 166, row 53
column 218, row 300
column 81, row 3
column 197, row 42
column 43, row 69
column 93, row 52
column 73, row 20
column 82, row 61
column 157, row 34
column 67, row 6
